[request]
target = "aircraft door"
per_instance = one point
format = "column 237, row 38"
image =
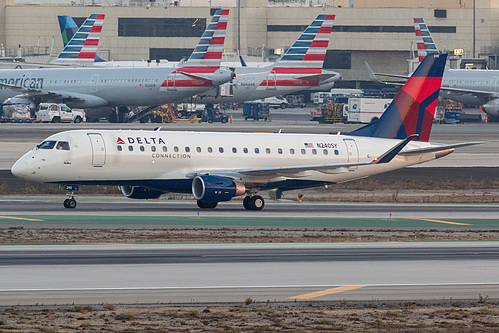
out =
column 352, row 151
column 98, row 149
column 271, row 81
column 493, row 84
column 170, row 82
column 93, row 83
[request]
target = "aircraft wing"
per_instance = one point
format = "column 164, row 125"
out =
column 40, row 95
column 478, row 93
column 301, row 170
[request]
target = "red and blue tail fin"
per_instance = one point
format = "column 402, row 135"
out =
column 426, row 45
column 309, row 50
column 208, row 52
column 412, row 110
column 81, row 49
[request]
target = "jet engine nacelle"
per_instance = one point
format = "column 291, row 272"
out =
column 138, row 192
column 216, row 188
column 492, row 107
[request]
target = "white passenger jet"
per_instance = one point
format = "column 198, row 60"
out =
column 468, row 86
column 300, row 68
column 99, row 87
column 216, row 167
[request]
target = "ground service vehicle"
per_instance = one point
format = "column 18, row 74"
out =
column 57, row 113
column 366, row 110
column 256, row 111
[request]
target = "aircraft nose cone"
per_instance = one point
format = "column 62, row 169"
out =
column 20, row 169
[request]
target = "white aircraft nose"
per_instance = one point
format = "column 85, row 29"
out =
column 20, row 168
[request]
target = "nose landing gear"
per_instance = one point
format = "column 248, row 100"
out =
column 255, row 202
column 70, row 202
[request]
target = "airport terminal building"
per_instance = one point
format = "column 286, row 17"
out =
column 380, row 32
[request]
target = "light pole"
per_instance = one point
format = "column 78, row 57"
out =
column 474, row 37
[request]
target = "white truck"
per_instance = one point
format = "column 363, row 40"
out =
column 365, row 110
column 57, row 113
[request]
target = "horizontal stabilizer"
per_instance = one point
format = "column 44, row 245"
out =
column 437, row 148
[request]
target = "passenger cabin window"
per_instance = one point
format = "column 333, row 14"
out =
column 267, row 150
column 257, row 151
column 292, row 151
column 210, row 150
column 153, row 148
column 279, row 150
column 187, row 149
column 198, row 149
column 62, row 145
column 245, row 150
column 325, row 151
column 164, row 149
column 130, row 148
column 46, row 145
column 175, row 149
column 303, row 151
column 336, row 152
column 314, row 151
column 221, row 149
column 142, row 148
column 234, row 150
column 119, row 148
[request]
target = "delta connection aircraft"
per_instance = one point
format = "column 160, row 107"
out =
column 90, row 87
column 216, row 167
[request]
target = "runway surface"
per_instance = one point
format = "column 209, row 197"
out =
column 116, row 208
column 231, row 273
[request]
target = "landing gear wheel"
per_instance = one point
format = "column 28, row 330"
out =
column 253, row 203
column 205, row 204
column 257, row 202
column 70, row 203
column 247, row 202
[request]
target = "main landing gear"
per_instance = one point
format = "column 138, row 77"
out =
column 255, row 202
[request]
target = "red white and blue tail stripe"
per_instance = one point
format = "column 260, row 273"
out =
column 426, row 45
column 208, row 52
column 310, row 49
column 413, row 109
column 82, row 48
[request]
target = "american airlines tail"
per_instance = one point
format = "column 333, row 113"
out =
column 80, row 47
column 204, row 63
column 309, row 51
column 412, row 110
column 69, row 29
column 426, row 45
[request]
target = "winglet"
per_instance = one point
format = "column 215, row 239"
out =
column 390, row 154
column 371, row 73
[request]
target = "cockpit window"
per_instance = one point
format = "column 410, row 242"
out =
column 46, row 145
column 62, row 145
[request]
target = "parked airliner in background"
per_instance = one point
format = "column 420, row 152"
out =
column 300, row 68
column 88, row 87
column 468, row 86
column 216, row 167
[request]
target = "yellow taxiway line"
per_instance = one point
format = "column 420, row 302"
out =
column 20, row 218
column 439, row 221
column 326, row 292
